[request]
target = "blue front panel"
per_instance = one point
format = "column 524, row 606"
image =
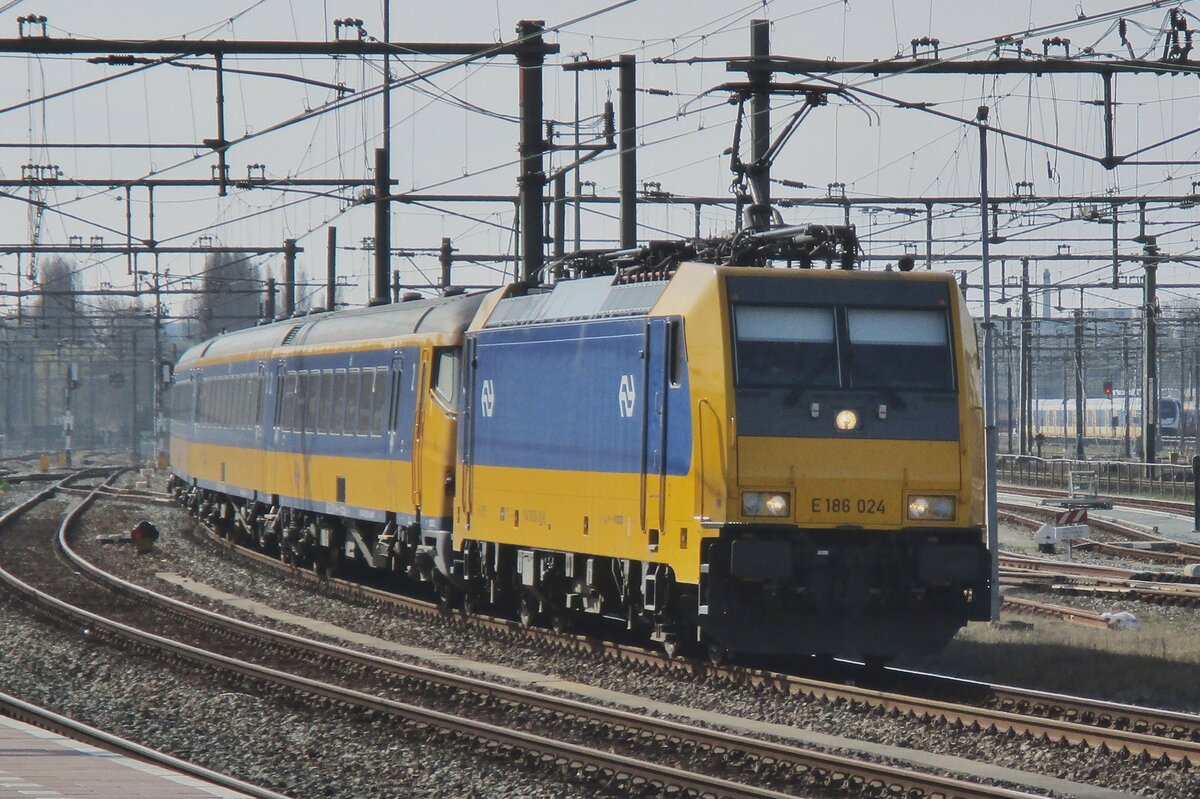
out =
column 655, row 408
column 569, row 397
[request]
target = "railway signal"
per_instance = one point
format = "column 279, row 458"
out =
column 1067, row 526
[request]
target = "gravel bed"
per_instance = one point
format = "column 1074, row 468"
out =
column 178, row 553
column 233, row 729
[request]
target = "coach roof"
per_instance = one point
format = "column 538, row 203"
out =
column 437, row 315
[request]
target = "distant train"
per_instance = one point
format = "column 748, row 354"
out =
column 1104, row 418
column 761, row 460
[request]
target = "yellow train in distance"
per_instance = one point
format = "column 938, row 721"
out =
column 765, row 461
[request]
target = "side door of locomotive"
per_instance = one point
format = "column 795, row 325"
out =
column 654, row 423
column 466, row 430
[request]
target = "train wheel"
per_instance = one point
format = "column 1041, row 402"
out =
column 527, row 609
column 875, row 664
column 717, row 654
column 672, row 647
column 472, row 602
column 560, row 620
column 445, row 593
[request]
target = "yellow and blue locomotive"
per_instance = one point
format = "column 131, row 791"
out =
column 764, row 460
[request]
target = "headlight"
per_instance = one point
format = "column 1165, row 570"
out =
column 766, row 503
column 846, row 420
column 936, row 508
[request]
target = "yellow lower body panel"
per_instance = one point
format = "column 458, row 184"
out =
column 594, row 513
column 382, row 485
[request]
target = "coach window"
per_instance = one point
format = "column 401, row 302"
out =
column 312, row 393
column 240, row 414
column 234, row 417
column 285, row 401
column 325, row 403
column 248, row 402
column 366, row 399
column 337, row 403
column 221, row 392
column 312, row 404
column 237, row 418
column 233, row 401
column 258, row 385
column 380, row 403
column 300, row 422
column 353, row 381
column 445, row 378
column 231, row 384
column 247, row 420
column 198, row 401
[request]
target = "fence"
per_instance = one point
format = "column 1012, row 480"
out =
column 1112, row 477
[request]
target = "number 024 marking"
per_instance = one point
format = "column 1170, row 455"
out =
column 846, row 505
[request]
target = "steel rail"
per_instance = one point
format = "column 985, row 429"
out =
column 1159, row 588
column 1085, row 618
column 1008, row 513
column 1122, row 529
column 1175, row 736
column 763, row 751
column 610, row 765
column 45, row 719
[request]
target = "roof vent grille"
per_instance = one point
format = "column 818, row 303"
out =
column 291, row 334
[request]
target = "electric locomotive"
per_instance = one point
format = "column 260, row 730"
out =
column 766, row 461
column 769, row 461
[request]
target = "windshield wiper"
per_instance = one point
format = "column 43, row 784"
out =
column 890, row 393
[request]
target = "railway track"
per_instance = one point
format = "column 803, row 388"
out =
column 1176, row 551
column 40, row 717
column 1072, row 720
column 1160, row 588
column 777, row 767
column 1175, row 507
column 1154, row 587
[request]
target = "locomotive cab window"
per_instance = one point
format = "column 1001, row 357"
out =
column 445, row 378
column 899, row 349
column 785, row 347
column 675, row 347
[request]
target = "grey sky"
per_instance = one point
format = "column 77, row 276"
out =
column 439, row 143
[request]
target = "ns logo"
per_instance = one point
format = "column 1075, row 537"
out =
column 627, row 396
column 487, row 398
